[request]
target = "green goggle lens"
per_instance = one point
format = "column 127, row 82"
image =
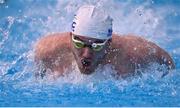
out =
column 97, row 48
column 78, row 44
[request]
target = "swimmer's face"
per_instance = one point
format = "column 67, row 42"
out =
column 87, row 54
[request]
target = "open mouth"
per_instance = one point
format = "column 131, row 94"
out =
column 86, row 66
column 86, row 63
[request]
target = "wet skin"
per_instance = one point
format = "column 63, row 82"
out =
column 56, row 52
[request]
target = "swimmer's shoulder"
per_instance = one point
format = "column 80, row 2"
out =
column 52, row 44
column 141, row 49
column 57, row 38
column 135, row 46
column 53, row 54
column 131, row 41
column 125, row 39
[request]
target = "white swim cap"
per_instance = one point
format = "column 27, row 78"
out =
column 93, row 22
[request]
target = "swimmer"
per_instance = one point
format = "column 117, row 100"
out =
column 92, row 43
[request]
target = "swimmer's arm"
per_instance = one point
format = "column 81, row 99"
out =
column 164, row 58
column 154, row 51
column 50, row 52
column 44, row 52
column 160, row 56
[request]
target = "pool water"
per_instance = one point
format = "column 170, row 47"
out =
column 23, row 22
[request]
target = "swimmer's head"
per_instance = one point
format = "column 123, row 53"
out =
column 93, row 22
column 91, row 34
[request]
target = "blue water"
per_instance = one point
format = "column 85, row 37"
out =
column 23, row 22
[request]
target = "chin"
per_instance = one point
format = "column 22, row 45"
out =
column 87, row 71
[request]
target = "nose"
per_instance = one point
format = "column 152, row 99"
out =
column 87, row 53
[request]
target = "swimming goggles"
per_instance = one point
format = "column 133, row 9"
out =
column 95, row 46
